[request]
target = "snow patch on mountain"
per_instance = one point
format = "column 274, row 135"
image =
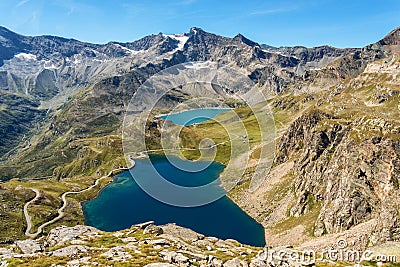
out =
column 181, row 38
column 25, row 56
column 130, row 51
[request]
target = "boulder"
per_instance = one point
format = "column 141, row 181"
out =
column 185, row 234
column 69, row 251
column 29, row 246
column 117, row 254
column 153, row 229
column 62, row 234
column 160, row 264
column 179, row 258
column 236, row 262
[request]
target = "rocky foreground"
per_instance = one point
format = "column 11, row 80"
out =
column 141, row 245
column 152, row 246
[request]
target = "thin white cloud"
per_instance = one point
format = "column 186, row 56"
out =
column 271, row 11
column 21, row 3
column 72, row 6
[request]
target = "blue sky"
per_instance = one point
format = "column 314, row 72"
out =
column 350, row 23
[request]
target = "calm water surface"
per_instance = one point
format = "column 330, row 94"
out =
column 194, row 116
column 123, row 203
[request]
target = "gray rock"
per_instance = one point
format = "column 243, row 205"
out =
column 216, row 262
column 117, row 254
column 160, row 264
column 5, row 251
column 185, row 234
column 236, row 262
column 69, row 251
column 212, row 239
column 143, row 225
column 179, row 258
column 128, row 239
column 223, row 244
column 255, row 262
column 161, row 242
column 153, row 229
column 29, row 246
column 62, row 234
column 381, row 97
column 168, row 255
column 79, row 262
column 204, row 243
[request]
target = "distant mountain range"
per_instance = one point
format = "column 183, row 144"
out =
column 41, row 72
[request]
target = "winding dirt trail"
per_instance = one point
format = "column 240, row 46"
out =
column 27, row 217
column 60, row 211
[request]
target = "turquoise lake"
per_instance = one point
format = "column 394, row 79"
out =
column 194, row 116
column 123, row 203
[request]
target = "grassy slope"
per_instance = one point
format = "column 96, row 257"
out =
column 17, row 116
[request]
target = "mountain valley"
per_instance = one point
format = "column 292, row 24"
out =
column 336, row 166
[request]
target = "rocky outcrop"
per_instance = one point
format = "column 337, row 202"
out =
column 362, row 183
column 61, row 235
column 177, row 246
column 69, row 251
column 17, row 117
column 300, row 135
column 29, row 246
column 349, row 181
column 393, row 38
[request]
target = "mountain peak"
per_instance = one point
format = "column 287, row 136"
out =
column 195, row 30
column 393, row 38
column 240, row 38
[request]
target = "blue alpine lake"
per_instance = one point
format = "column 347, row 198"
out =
column 123, row 203
column 194, row 116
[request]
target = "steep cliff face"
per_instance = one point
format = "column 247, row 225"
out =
column 353, row 181
column 362, row 184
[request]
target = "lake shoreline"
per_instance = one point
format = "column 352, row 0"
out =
column 177, row 222
column 113, row 173
column 159, row 116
